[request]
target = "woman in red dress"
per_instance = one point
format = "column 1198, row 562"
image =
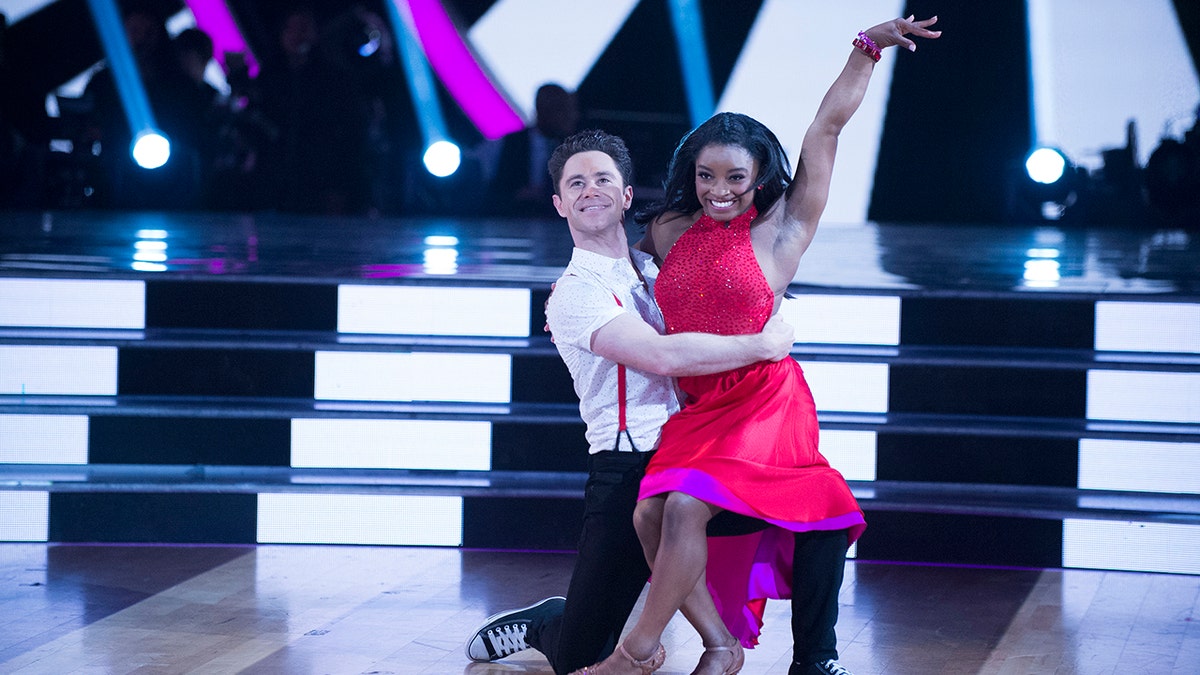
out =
column 731, row 231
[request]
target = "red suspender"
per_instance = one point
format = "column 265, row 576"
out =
column 620, row 388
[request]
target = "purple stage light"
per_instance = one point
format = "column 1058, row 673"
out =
column 214, row 18
column 454, row 64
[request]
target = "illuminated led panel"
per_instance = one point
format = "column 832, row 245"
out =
column 1138, row 70
column 1139, row 465
column 87, row 371
column 851, row 452
column 72, row 303
column 392, row 444
column 1143, row 396
column 24, row 515
column 383, row 376
column 844, row 319
column 1132, row 546
column 527, row 43
column 43, row 439
column 1148, row 327
column 787, row 107
column 378, row 520
column 15, row 10
column 423, row 310
column 848, row 387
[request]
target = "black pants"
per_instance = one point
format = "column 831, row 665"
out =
column 818, row 568
column 819, row 564
column 610, row 568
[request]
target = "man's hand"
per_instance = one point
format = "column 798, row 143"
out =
column 545, row 305
column 892, row 33
column 778, row 337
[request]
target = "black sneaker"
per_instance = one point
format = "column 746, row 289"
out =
column 827, row 667
column 504, row 633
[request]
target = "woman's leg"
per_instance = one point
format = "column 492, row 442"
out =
column 677, row 568
column 647, row 521
column 698, row 607
column 674, row 539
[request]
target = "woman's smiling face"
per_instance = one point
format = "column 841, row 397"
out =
column 725, row 181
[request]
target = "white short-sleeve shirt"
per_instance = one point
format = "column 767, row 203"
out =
column 584, row 300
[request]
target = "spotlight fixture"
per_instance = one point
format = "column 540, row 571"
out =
column 1045, row 165
column 150, row 149
column 1047, row 188
column 442, row 158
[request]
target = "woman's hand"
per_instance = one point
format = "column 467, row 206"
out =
column 892, row 33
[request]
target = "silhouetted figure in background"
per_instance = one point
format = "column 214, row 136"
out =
column 12, row 144
column 361, row 42
column 1173, row 179
column 239, row 179
column 193, row 50
column 8, row 134
column 519, row 184
column 317, row 159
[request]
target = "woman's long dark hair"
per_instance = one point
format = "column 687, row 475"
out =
column 679, row 189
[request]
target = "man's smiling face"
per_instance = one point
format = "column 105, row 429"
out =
column 592, row 195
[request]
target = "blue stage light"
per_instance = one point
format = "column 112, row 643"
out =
column 1049, row 188
column 1045, row 165
column 150, row 149
column 442, row 158
column 693, row 58
column 129, row 85
column 374, row 38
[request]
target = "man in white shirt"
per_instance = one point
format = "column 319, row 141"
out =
column 609, row 332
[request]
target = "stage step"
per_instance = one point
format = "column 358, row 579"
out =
column 364, row 403
column 903, row 496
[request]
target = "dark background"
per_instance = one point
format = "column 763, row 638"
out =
column 976, row 118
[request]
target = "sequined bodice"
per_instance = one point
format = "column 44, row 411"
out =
column 711, row 282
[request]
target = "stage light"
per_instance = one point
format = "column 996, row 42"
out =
column 150, row 149
column 1045, row 165
column 374, row 39
column 214, row 18
column 442, row 158
column 442, row 48
column 693, row 57
column 1046, row 187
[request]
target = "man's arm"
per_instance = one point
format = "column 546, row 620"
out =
column 629, row 340
column 809, row 190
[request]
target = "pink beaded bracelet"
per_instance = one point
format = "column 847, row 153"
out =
column 867, row 46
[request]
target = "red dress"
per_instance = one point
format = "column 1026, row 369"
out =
column 746, row 439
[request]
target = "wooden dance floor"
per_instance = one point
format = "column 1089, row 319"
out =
column 362, row 609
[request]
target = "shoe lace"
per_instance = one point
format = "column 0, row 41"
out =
column 834, row 668
column 508, row 639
